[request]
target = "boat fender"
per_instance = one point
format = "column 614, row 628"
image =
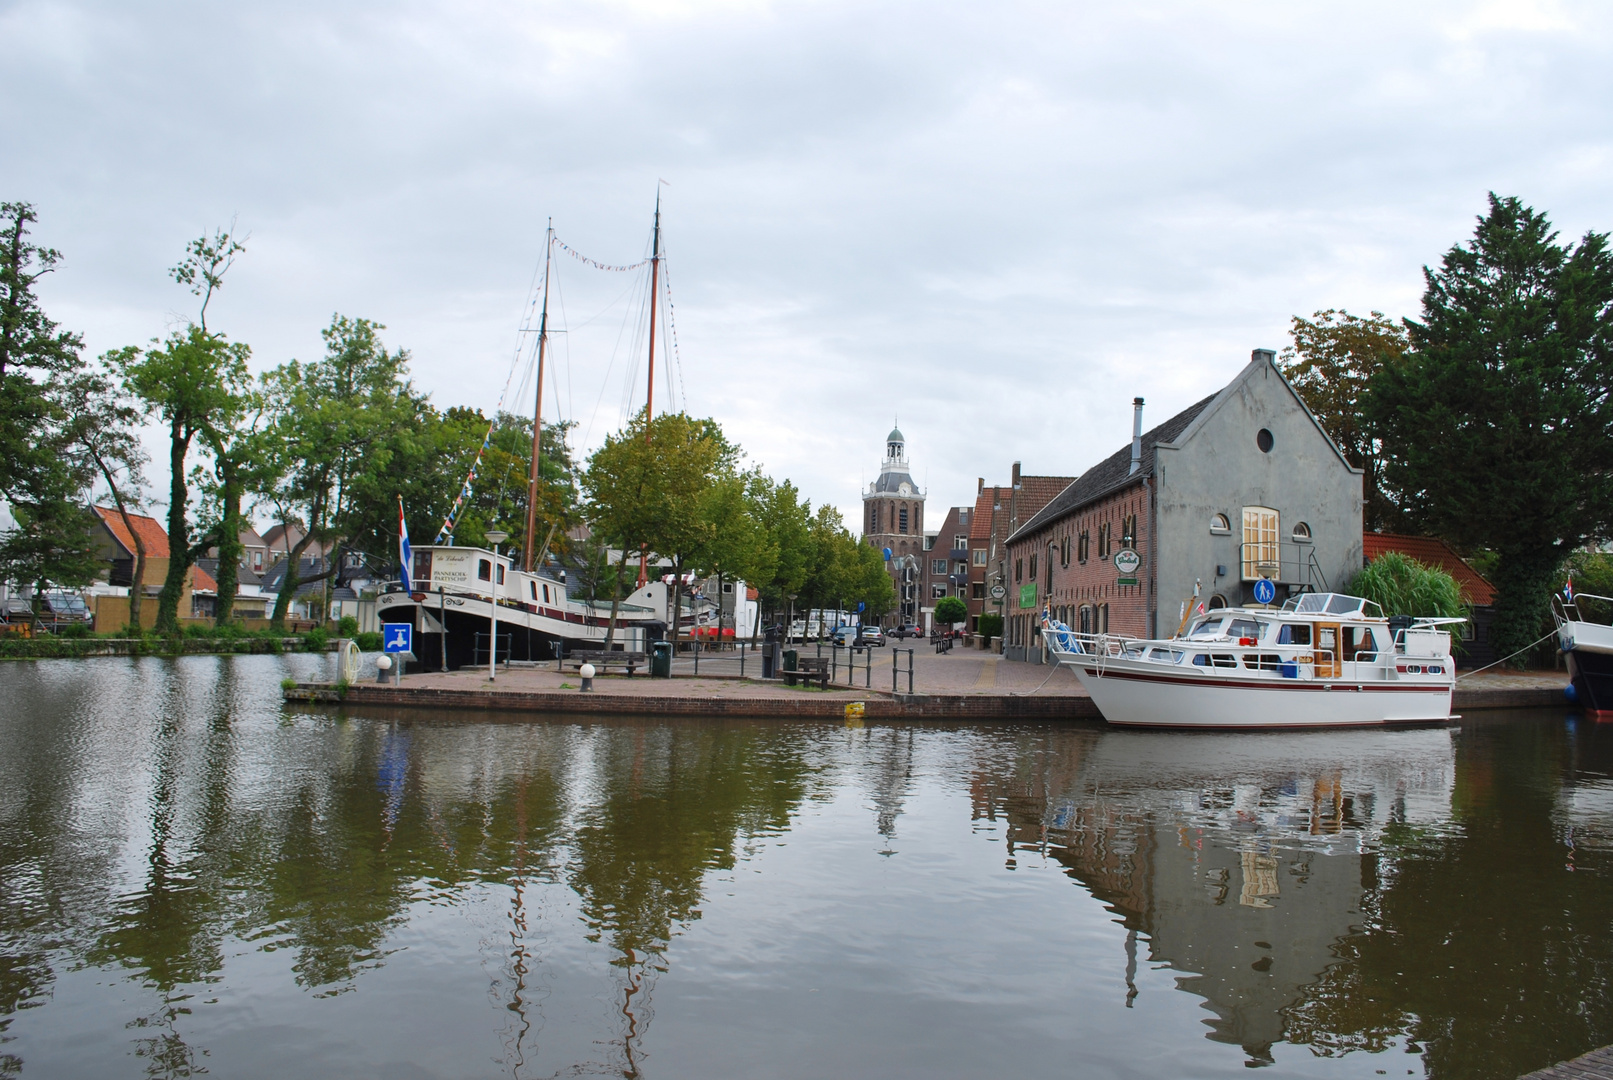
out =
column 1570, row 692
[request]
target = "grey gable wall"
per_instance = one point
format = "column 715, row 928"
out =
column 1215, row 467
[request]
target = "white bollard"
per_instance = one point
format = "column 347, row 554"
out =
column 383, row 668
column 587, row 673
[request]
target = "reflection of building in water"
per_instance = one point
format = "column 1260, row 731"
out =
column 888, row 772
column 1242, row 859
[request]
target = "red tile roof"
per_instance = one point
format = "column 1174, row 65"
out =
column 1036, row 492
column 201, row 581
column 151, row 532
column 980, row 520
column 1431, row 551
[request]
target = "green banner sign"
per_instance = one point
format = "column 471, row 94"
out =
column 1027, row 596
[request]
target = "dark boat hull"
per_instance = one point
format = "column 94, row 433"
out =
column 1592, row 675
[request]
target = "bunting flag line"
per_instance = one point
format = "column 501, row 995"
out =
column 595, row 263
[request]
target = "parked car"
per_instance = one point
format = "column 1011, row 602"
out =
column 905, row 632
column 848, row 635
column 873, row 635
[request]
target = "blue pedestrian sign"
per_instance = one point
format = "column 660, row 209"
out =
column 1265, row 591
column 398, row 637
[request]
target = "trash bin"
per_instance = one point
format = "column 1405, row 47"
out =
column 660, row 659
column 792, row 660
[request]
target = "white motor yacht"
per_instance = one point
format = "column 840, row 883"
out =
column 1321, row 660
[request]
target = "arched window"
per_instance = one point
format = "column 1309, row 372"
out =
column 1219, row 525
column 484, row 569
column 1302, row 533
column 902, row 520
column 1216, row 601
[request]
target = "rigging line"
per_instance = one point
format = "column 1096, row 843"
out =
column 672, row 328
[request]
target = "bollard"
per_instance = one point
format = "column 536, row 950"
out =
column 383, row 669
column 587, row 673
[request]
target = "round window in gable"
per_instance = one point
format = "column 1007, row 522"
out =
column 1264, row 440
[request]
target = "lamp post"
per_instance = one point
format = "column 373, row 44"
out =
column 495, row 537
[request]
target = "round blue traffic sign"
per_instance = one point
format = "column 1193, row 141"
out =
column 1265, row 591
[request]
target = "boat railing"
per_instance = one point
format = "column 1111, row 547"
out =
column 1566, row 609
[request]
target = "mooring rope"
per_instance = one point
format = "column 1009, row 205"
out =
column 1507, row 657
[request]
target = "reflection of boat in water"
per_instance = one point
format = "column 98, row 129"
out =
column 1589, row 648
column 1242, row 861
column 1322, row 660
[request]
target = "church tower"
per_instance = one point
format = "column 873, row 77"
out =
column 893, row 520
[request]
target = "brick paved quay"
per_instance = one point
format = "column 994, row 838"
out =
column 1596, row 1065
column 961, row 685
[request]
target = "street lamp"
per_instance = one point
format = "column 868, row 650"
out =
column 495, row 537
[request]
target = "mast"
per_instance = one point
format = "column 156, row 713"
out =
column 537, row 411
column 649, row 395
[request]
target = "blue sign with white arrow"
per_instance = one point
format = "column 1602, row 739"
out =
column 398, row 637
column 1265, row 591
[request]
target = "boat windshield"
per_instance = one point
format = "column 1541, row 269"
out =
column 1329, row 604
column 1243, row 628
column 1207, row 628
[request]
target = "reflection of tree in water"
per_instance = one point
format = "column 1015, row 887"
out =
column 671, row 803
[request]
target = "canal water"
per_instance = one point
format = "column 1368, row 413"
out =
column 198, row 880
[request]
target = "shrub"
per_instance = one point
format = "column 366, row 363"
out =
column 347, row 626
column 288, row 684
column 1404, row 586
column 991, row 625
column 76, row 630
column 369, row 640
column 316, row 639
column 950, row 609
column 199, row 630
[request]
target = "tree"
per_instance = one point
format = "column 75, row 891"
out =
column 193, row 382
column 950, row 610
column 349, row 434
column 103, row 428
column 650, row 492
column 1499, row 425
column 34, row 351
column 786, row 519
column 1331, row 364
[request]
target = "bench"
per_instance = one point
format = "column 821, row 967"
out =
column 603, row 658
column 809, row 669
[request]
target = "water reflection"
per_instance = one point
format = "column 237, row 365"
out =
column 193, row 880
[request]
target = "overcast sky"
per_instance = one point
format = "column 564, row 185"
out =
column 1000, row 221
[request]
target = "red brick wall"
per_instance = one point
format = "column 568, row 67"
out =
column 1093, row 583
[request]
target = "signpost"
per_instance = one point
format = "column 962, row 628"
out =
column 397, row 640
column 1265, row 591
column 998, row 592
column 1127, row 561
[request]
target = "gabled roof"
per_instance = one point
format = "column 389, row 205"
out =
column 1114, row 472
column 1036, row 492
column 151, row 532
column 980, row 520
column 1433, row 552
column 201, row 581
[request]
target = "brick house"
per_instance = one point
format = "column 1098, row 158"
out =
column 1240, row 486
column 997, row 513
column 946, row 563
column 893, row 522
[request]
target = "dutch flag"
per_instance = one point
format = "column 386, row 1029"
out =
column 405, row 558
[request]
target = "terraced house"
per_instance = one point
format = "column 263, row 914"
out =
column 1242, row 486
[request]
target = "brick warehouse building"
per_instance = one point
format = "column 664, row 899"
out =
column 998, row 512
column 1240, row 486
column 893, row 520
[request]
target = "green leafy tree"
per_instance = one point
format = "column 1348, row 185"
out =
column 349, row 435
column 103, row 429
column 1499, row 425
column 950, row 611
column 1331, row 364
column 786, row 518
column 193, row 382
column 651, row 493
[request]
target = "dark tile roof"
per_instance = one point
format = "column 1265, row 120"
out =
column 1114, row 471
column 889, row 483
column 1036, row 492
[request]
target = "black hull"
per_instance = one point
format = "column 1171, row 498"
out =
column 465, row 642
column 1592, row 674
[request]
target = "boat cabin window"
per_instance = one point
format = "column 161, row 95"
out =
column 1207, row 628
column 501, row 575
column 532, row 587
column 484, row 569
column 1226, row 660
column 1360, row 643
column 1243, row 628
column 1294, row 634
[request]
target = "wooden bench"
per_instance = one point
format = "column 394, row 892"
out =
column 809, row 669
column 603, row 658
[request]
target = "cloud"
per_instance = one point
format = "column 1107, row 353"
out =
column 1001, row 222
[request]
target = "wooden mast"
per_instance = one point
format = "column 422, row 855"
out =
column 537, row 411
column 649, row 396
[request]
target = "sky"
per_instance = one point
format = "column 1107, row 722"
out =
column 997, row 223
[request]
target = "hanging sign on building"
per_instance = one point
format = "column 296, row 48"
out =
column 1127, row 561
column 998, row 592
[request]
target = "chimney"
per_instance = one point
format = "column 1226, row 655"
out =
column 1136, row 434
column 1268, row 355
column 1016, row 476
column 980, row 487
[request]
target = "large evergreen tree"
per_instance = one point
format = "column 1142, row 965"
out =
column 1499, row 424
